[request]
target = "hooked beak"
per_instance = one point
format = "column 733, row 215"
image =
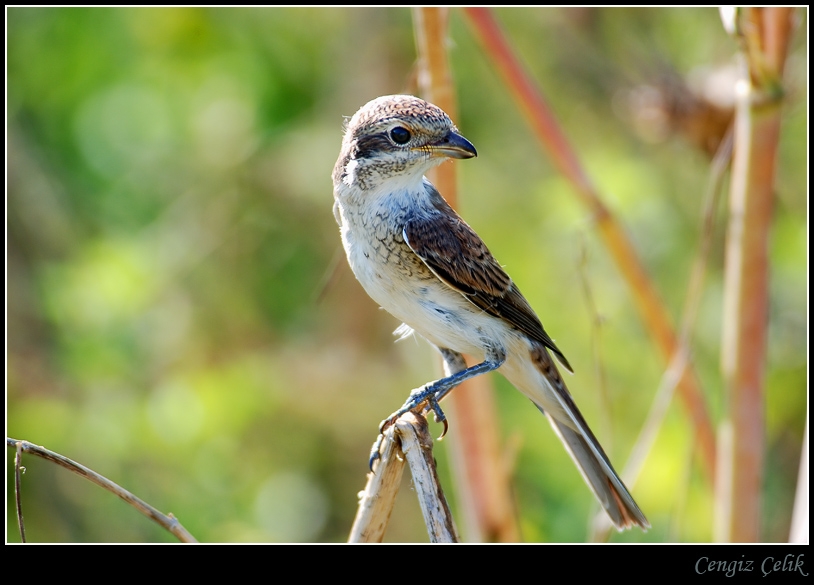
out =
column 452, row 145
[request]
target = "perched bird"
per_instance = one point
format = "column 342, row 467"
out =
column 422, row 263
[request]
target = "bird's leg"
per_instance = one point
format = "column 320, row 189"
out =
column 435, row 391
column 432, row 393
column 454, row 363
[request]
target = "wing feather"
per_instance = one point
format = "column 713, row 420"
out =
column 459, row 258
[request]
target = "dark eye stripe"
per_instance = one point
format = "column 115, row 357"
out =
column 372, row 145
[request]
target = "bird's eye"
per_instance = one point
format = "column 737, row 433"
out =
column 400, row 135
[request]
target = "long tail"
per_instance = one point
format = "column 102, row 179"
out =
column 600, row 476
column 580, row 442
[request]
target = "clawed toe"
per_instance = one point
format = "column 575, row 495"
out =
column 374, row 451
column 412, row 404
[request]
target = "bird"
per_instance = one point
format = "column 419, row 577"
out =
column 421, row 262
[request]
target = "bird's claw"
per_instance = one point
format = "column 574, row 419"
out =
column 446, row 428
column 374, row 451
column 440, row 417
column 411, row 404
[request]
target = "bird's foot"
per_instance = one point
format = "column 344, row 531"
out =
column 418, row 397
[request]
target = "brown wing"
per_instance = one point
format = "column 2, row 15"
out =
column 457, row 256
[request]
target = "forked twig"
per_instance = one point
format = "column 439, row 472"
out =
column 407, row 440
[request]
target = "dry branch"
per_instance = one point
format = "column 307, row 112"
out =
column 555, row 143
column 407, row 439
column 764, row 35
column 169, row 522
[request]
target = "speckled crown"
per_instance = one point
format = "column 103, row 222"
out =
column 383, row 109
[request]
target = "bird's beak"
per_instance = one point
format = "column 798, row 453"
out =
column 452, row 145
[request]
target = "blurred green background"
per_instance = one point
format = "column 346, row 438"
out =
column 173, row 322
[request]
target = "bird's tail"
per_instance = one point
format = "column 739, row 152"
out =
column 599, row 474
column 548, row 392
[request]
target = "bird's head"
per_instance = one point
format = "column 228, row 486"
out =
column 397, row 137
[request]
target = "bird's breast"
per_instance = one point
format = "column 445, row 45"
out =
column 377, row 253
column 399, row 281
